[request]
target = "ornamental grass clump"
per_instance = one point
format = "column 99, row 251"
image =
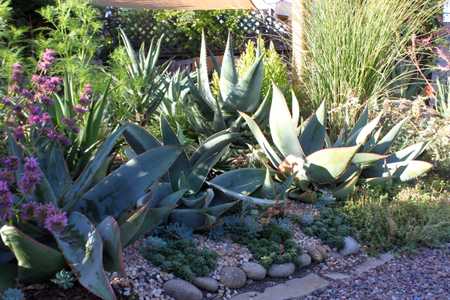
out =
column 354, row 47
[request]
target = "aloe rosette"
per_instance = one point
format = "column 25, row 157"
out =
column 210, row 114
column 305, row 150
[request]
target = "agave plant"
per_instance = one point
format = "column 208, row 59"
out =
column 83, row 222
column 213, row 114
column 199, row 202
column 142, row 83
column 305, row 150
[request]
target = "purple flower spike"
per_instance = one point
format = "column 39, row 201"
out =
column 32, row 175
column 28, row 211
column 47, row 60
column 56, row 222
column 17, row 73
column 19, row 133
column 86, row 95
column 80, row 109
column 6, row 202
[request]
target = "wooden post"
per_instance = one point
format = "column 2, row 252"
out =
column 298, row 35
column 444, row 48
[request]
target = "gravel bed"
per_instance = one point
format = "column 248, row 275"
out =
column 425, row 275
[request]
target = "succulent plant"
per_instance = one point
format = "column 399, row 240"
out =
column 13, row 294
column 199, row 203
column 64, row 279
column 91, row 218
column 305, row 151
column 211, row 114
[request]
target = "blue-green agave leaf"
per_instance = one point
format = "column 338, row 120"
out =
column 36, row 262
column 243, row 181
column 282, row 129
column 82, row 247
column 109, row 230
column 121, row 189
column 386, row 142
column 139, row 139
column 312, row 138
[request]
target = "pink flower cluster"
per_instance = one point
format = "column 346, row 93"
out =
column 30, row 107
column 47, row 216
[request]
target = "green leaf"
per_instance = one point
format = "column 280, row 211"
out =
column 243, row 181
column 85, row 180
column 109, row 230
column 344, row 190
column 262, row 141
column 361, row 136
column 232, row 195
column 367, row 158
column 262, row 113
column 139, row 139
column 404, row 171
column 295, row 110
column 312, row 138
column 268, row 189
column 121, row 189
column 228, row 74
column 82, row 246
column 326, row 166
column 213, row 144
column 182, row 164
column 203, row 78
column 386, row 142
column 282, row 129
column 362, row 121
column 36, row 262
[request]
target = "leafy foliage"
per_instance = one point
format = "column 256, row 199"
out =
column 401, row 218
column 331, row 227
column 180, row 257
column 13, row 294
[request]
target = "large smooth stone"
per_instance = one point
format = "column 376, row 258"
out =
column 182, row 290
column 254, row 271
column 351, row 246
column 233, row 277
column 304, row 260
column 282, row 270
column 206, row 283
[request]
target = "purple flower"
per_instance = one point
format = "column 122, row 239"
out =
column 64, row 140
column 32, row 175
column 6, row 202
column 27, row 93
column 71, row 124
column 47, row 60
column 46, row 85
column 28, row 211
column 56, row 222
column 19, row 133
column 46, row 100
column 11, row 163
column 80, row 109
column 51, row 133
column 17, row 73
column 43, row 211
column 6, row 101
column 7, row 176
column 86, row 95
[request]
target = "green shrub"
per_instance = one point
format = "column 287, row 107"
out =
column 269, row 243
column 401, row 218
column 331, row 227
column 180, row 257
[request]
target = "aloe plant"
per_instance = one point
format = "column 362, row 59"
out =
column 305, row 150
column 199, row 202
column 211, row 114
column 106, row 212
column 141, row 85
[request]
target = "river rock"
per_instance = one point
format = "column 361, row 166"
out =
column 304, row 260
column 182, row 290
column 282, row 270
column 254, row 271
column 351, row 246
column 206, row 283
column 233, row 277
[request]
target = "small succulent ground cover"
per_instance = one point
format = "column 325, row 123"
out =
column 269, row 243
column 181, row 257
column 330, row 226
